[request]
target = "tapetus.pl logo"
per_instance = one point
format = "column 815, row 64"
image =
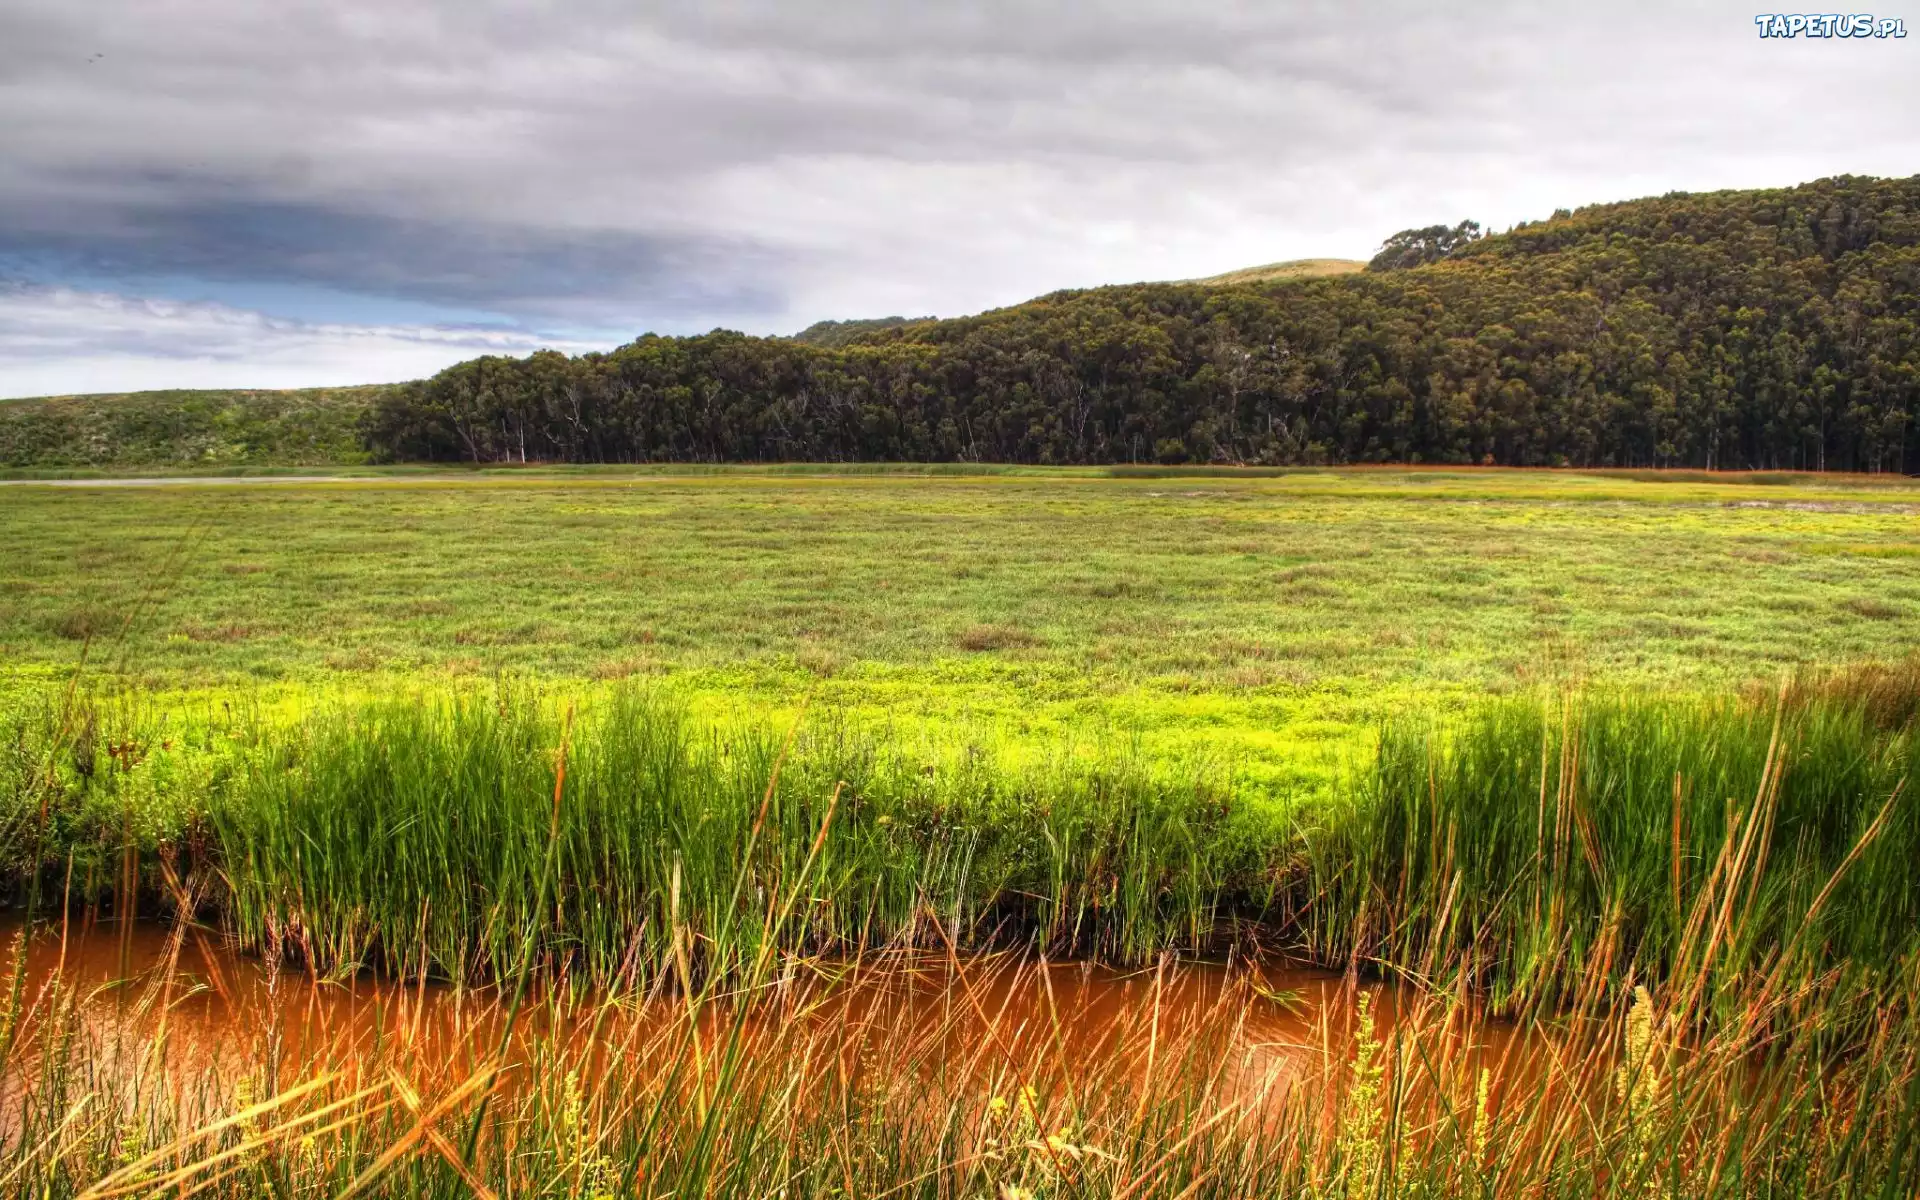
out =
column 1829, row 25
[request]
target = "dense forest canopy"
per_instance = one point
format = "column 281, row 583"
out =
column 1750, row 329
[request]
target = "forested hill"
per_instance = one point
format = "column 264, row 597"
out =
column 1776, row 328
column 1765, row 329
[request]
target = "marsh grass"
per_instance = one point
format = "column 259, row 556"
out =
column 1701, row 914
column 1885, row 692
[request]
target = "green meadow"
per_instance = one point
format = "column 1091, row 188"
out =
column 1264, row 623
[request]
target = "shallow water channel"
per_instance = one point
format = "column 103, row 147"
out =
column 182, row 1000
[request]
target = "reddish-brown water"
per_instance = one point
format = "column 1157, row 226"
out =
column 181, row 1000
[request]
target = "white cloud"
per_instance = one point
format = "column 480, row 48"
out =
column 60, row 340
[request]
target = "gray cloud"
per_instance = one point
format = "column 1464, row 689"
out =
column 129, row 341
column 678, row 165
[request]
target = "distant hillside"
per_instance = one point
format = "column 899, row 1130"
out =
column 1298, row 268
column 1769, row 329
column 309, row 427
column 834, row 334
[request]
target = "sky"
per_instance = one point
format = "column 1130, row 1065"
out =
column 225, row 193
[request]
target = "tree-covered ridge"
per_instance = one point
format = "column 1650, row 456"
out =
column 1775, row 329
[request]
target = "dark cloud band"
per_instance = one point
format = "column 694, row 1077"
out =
column 593, row 277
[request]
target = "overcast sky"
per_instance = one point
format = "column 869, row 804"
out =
column 232, row 193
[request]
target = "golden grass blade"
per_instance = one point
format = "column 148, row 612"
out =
column 107, row 1186
column 480, row 1082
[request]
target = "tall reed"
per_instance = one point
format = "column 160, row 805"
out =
column 392, row 825
column 1533, row 840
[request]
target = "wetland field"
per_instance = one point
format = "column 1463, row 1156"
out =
column 999, row 833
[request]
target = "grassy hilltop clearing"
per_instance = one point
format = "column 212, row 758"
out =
column 1297, row 268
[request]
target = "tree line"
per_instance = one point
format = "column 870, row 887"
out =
column 1775, row 329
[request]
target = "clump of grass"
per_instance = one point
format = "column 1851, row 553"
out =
column 230, row 632
column 626, row 668
column 83, row 623
column 1887, row 693
column 994, row 637
column 819, row 661
column 1872, row 609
